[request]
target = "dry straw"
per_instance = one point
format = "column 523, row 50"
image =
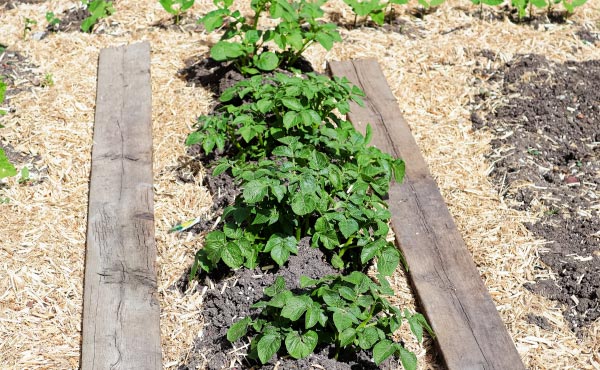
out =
column 429, row 67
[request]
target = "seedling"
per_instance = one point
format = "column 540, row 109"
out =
column 48, row 80
column 349, row 312
column 52, row 19
column 27, row 26
column 176, row 7
column 374, row 9
column 25, row 178
column 98, row 9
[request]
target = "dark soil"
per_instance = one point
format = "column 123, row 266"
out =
column 19, row 76
column 548, row 139
column 18, row 73
column 228, row 300
column 218, row 76
column 70, row 20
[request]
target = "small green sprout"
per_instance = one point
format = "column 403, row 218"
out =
column 176, row 7
column 27, row 27
column 53, row 21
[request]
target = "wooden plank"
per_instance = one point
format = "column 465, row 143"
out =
column 470, row 332
column 121, row 309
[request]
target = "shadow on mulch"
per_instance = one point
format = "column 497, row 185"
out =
column 547, row 160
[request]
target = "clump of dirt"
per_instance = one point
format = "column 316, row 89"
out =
column 70, row 20
column 228, row 300
column 547, row 160
column 588, row 36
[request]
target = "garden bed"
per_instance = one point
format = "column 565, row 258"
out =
column 431, row 71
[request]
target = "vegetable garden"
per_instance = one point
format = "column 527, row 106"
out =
column 287, row 260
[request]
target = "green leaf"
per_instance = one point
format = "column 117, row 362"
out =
column 408, row 359
column 300, row 346
column 289, row 119
column 281, row 247
column 337, row 262
column 383, row 350
column 214, row 244
column 277, row 287
column 325, row 40
column 348, row 227
column 6, row 168
column 294, row 308
column 267, row 61
column 313, row 314
column 238, row 330
column 213, row 20
column 388, row 260
column 255, row 191
column 267, row 346
column 232, row 255
column 220, row 168
column 370, row 250
column 278, row 191
column 264, row 105
column 539, row 3
column 347, row 337
column 303, row 204
column 368, row 338
column 347, row 293
column 224, row 50
column 292, row 103
column 341, row 320
column 378, row 17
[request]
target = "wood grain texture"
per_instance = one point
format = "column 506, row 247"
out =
column 121, row 310
column 470, row 332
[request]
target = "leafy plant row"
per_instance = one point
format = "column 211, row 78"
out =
column 305, row 172
column 296, row 31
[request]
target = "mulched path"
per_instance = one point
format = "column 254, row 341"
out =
column 547, row 161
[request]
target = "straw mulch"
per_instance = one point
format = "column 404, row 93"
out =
column 429, row 68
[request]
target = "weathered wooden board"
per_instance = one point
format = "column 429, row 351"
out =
column 121, row 310
column 470, row 332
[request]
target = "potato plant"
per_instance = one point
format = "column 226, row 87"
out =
column 250, row 47
column 305, row 173
column 349, row 311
